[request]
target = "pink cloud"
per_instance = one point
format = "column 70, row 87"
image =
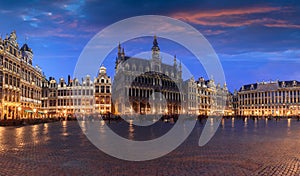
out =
column 226, row 12
column 284, row 25
column 235, row 17
column 213, row 32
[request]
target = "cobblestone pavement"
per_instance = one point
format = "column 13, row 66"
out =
column 238, row 148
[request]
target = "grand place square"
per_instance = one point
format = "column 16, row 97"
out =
column 148, row 88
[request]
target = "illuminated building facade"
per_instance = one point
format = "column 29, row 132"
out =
column 137, row 80
column 26, row 93
column 274, row 98
column 61, row 99
column 49, row 97
column 102, row 85
column 212, row 99
column 20, row 81
column 140, row 85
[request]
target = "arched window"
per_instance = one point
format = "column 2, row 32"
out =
column 133, row 68
column 147, row 69
column 127, row 67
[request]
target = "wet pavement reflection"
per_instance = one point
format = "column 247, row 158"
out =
column 240, row 147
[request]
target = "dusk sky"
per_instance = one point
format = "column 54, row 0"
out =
column 255, row 41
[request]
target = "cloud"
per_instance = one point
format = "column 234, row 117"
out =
column 57, row 32
column 227, row 12
column 237, row 17
column 213, row 32
column 34, row 25
column 290, row 55
column 284, row 25
column 74, row 6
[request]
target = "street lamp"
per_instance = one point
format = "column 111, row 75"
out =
column 64, row 114
column 19, row 110
column 34, row 111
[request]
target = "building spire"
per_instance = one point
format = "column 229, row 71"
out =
column 180, row 66
column 119, row 47
column 119, row 50
column 155, row 46
column 123, row 53
column 175, row 62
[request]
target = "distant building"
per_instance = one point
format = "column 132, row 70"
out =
column 20, row 81
column 67, row 99
column 140, row 85
column 102, row 85
column 212, row 99
column 274, row 98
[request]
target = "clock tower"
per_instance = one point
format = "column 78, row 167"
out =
column 156, row 59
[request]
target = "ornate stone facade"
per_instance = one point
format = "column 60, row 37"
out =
column 274, row 98
column 102, row 92
column 140, row 86
column 20, row 81
column 68, row 99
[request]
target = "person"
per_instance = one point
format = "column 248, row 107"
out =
column 5, row 118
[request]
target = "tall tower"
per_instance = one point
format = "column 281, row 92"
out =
column 27, row 54
column 120, row 58
column 180, row 71
column 156, row 60
column 155, row 49
column 119, row 50
column 175, row 62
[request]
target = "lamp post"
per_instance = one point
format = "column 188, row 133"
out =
column 19, row 112
column 34, row 111
column 64, row 114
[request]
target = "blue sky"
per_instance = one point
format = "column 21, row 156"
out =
column 255, row 41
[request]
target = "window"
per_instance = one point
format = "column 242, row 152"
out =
column 10, row 80
column 107, row 100
column 6, row 63
column 10, row 66
column 14, row 81
column 6, row 79
column 1, row 77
